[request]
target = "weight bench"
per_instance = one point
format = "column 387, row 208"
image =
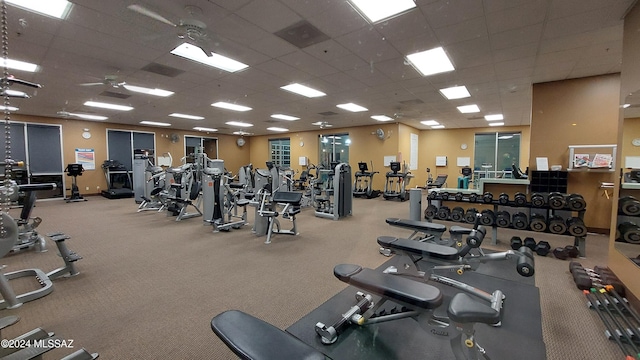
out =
column 291, row 202
column 458, row 260
column 251, row 338
column 416, row 300
column 428, row 231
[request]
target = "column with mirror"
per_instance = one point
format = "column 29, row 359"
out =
column 622, row 252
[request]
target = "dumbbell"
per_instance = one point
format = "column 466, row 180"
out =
column 516, row 242
column 524, row 264
column 519, row 221
column 576, row 226
column 629, row 205
column 574, row 265
column 629, row 232
column 457, row 214
column 443, row 212
column 459, row 196
column 542, row 248
column 470, row 215
column 487, row 217
column 556, row 224
column 537, row 222
column 572, row 251
column 520, row 199
column 503, row 199
column 473, row 197
column 487, row 198
column 530, row 243
column 576, row 202
column 560, row 253
column 537, row 200
column 444, row 195
column 430, row 211
column 503, row 219
column 433, row 195
column 582, row 279
column 556, row 200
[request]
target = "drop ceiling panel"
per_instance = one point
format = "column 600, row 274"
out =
column 368, row 44
column 515, row 37
column 469, row 30
column 272, row 46
column 271, row 15
column 285, row 71
column 341, row 20
column 442, row 13
column 513, row 18
column 307, row 63
column 407, row 25
column 470, row 53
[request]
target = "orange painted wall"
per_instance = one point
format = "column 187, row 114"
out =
column 577, row 112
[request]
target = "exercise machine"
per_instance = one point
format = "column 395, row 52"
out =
column 75, row 170
column 183, row 192
column 463, row 181
column 285, row 203
column 363, row 183
column 28, row 237
column 221, row 201
column 338, row 199
column 119, row 183
column 397, row 182
column 142, row 164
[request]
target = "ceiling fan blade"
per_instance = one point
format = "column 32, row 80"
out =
column 152, row 14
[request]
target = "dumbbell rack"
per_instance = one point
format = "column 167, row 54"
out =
column 579, row 241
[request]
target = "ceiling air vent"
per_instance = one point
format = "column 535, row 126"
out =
column 302, row 34
column 162, row 70
column 328, row 113
column 115, row 95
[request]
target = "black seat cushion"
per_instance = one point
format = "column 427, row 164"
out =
column 251, row 338
column 419, row 248
column 287, row 197
column 463, row 309
column 416, row 225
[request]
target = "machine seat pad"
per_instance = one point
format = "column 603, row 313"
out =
column 242, row 202
column 416, row 225
column 418, row 247
column 393, row 287
column 236, row 185
column 251, row 338
column 459, row 230
column 156, row 191
column 287, row 197
column 463, row 309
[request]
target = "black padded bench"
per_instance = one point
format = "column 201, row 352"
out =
column 418, row 248
column 251, row 338
column 291, row 201
column 432, row 232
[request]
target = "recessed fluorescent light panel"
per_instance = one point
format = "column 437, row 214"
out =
column 229, row 106
column 108, row 106
column 239, row 123
column 144, row 90
column 438, row 127
column 496, row 124
column 154, row 123
column 56, row 8
column 285, row 117
column 378, row 10
column 186, row 116
column 279, row 129
column 455, row 92
column 303, row 90
column 10, row 108
column 15, row 93
column 195, row 53
column 494, row 117
column 352, row 107
column 431, row 62
column 429, row 122
column 200, row 128
column 89, row 116
column 20, row 65
column 466, row 109
column 381, row 118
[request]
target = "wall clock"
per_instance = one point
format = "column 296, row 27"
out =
column 240, row 142
column 635, row 142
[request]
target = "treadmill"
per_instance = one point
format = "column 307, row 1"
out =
column 119, row 182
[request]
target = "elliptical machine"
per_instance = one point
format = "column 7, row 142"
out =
column 363, row 183
column 75, row 170
column 397, row 182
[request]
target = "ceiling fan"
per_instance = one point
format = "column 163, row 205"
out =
column 188, row 28
column 109, row 80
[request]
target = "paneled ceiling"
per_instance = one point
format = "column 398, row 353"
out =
column 499, row 49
